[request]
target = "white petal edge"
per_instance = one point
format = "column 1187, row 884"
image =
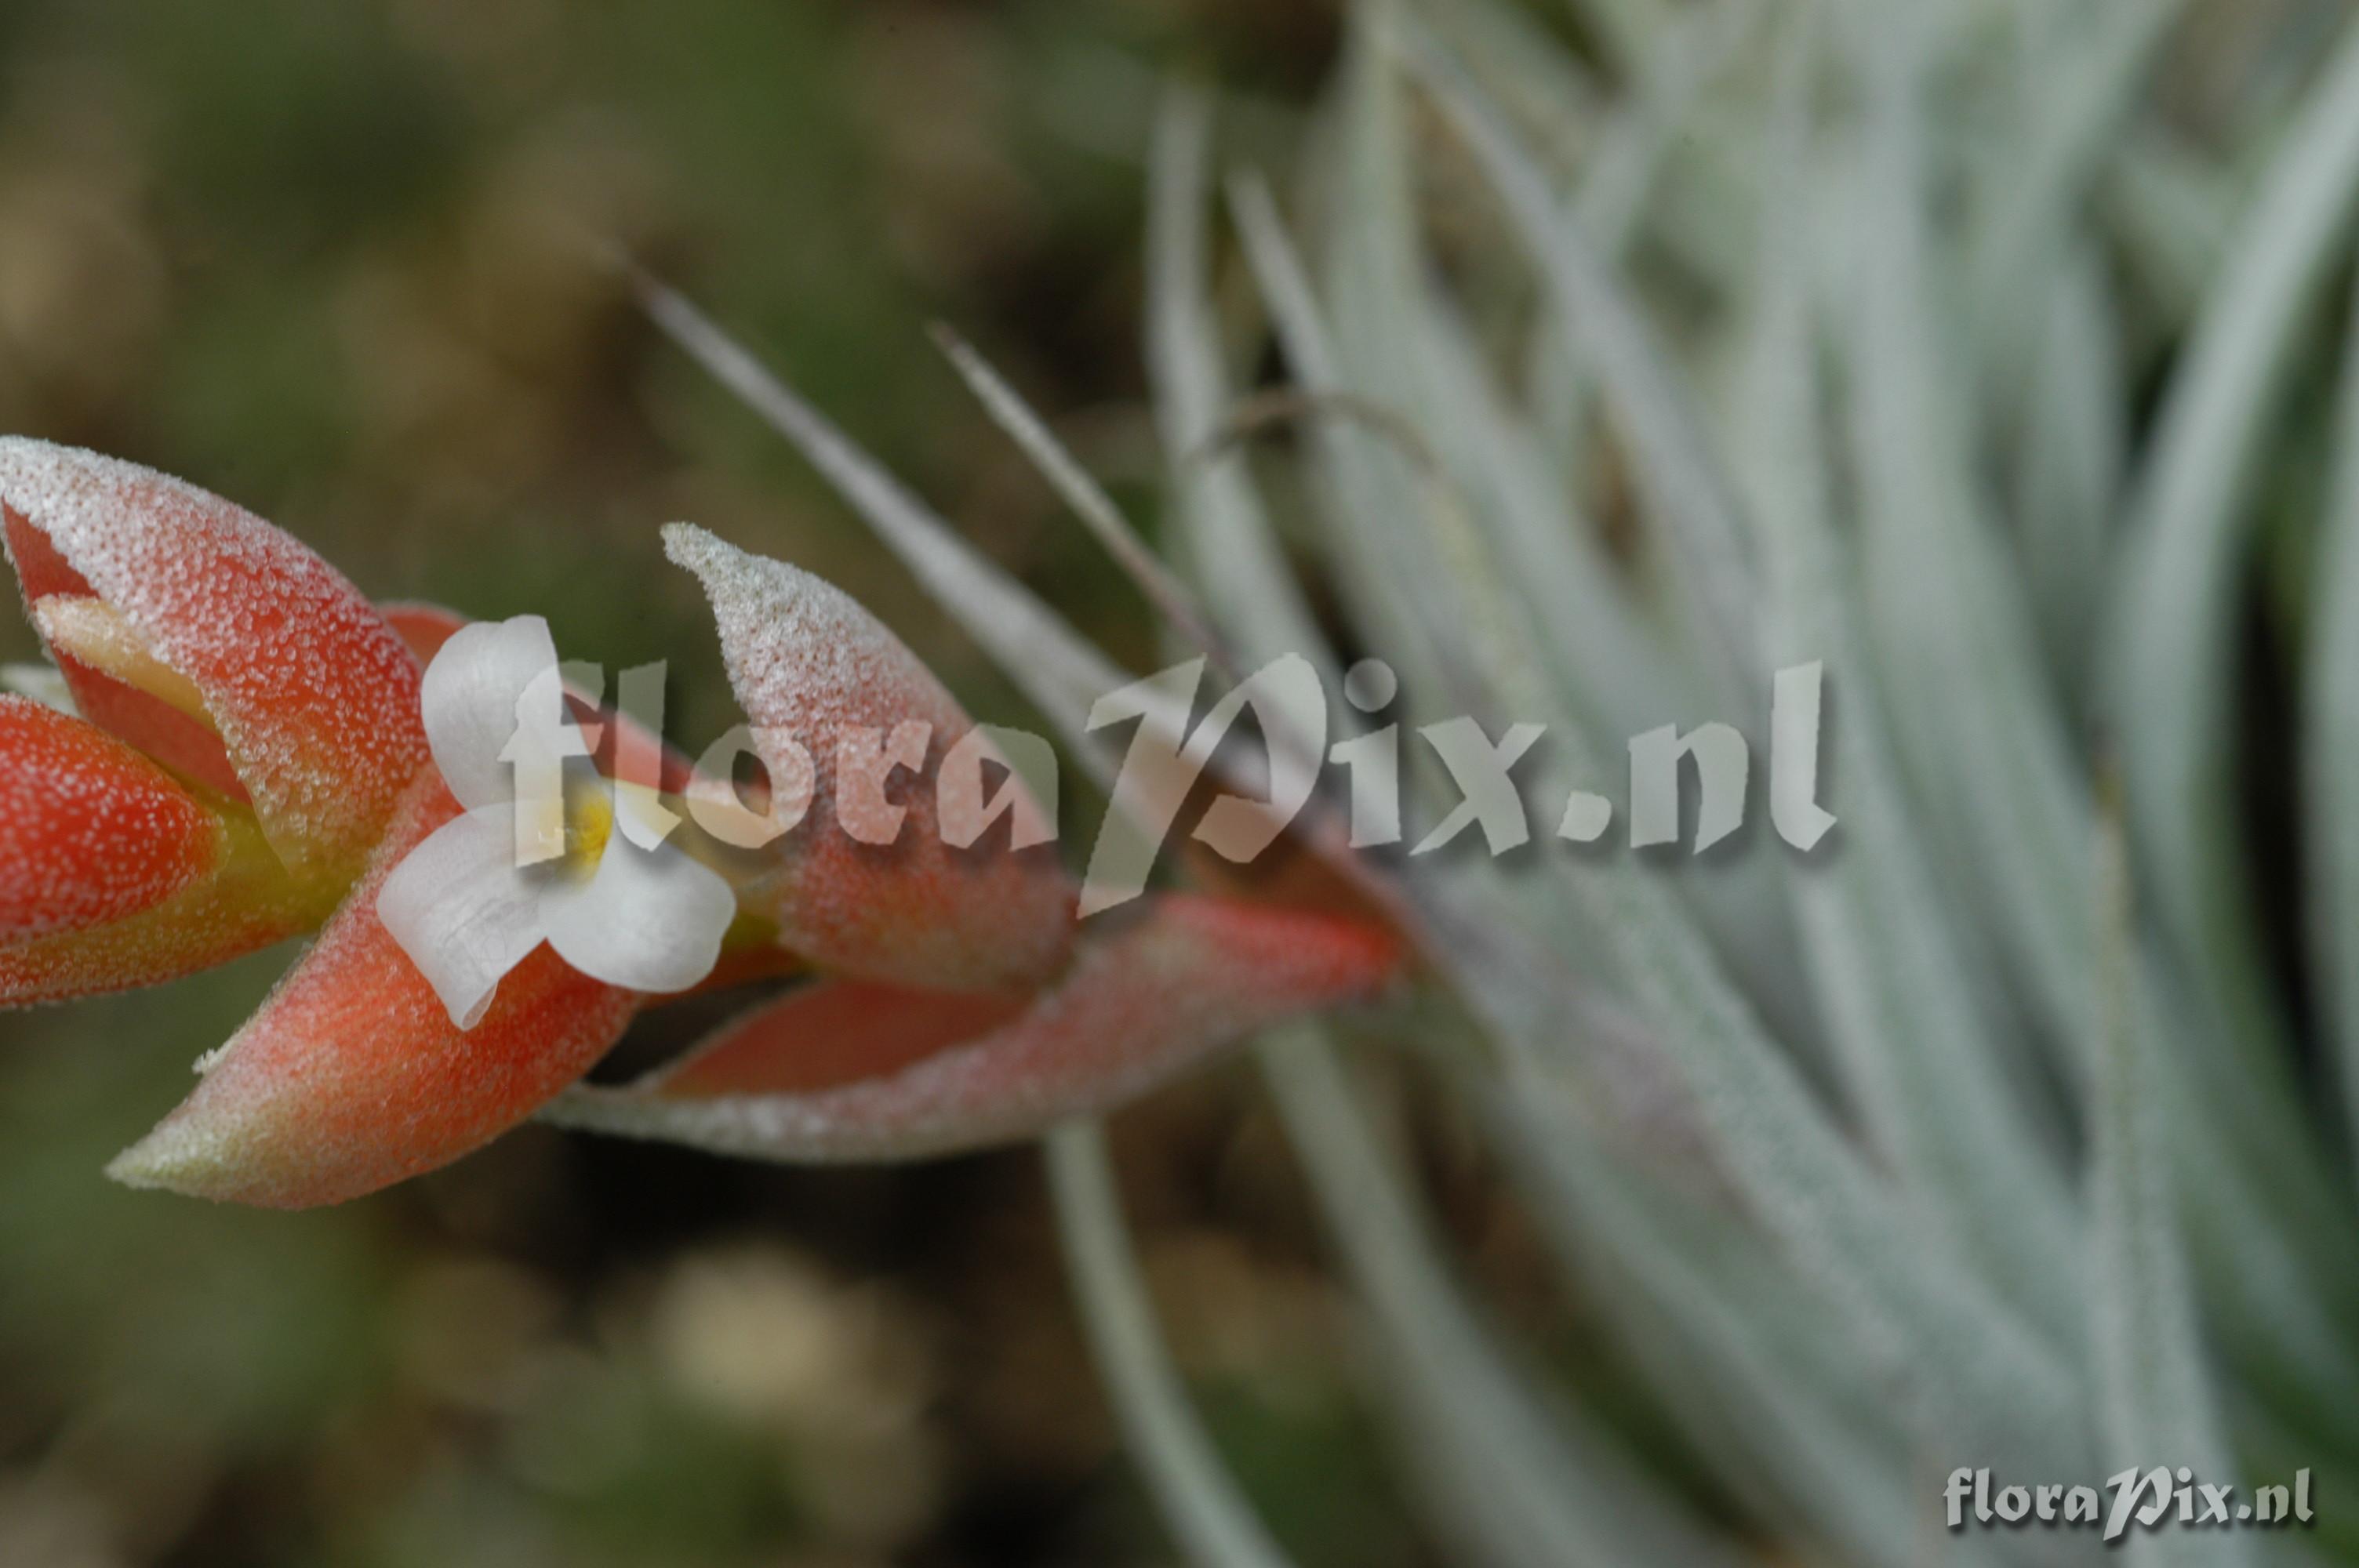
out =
column 463, row 912
column 648, row 920
column 469, row 702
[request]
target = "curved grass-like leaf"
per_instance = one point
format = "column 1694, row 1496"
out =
column 2154, row 1382
column 2330, row 749
column 2012, row 812
column 1951, row 633
column 1224, row 534
column 2175, row 658
column 2086, row 85
column 1789, row 1157
column 1214, row 1522
column 1913, row 1039
column 1524, row 1484
column 1749, row 1363
column 1675, row 466
column 1087, row 499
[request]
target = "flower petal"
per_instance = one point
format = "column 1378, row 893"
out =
column 427, row 627
column 461, row 909
column 91, row 831
column 471, row 696
column 648, row 920
column 352, row 1076
column 313, row 694
column 811, row 666
column 843, row 1071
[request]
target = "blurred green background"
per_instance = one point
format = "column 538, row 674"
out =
column 337, row 263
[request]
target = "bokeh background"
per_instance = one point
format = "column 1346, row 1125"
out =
column 338, row 261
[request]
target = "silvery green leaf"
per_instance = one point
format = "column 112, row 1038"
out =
column 1906, row 1293
column 2330, row 748
column 1682, row 475
column 1974, row 716
column 1081, row 493
column 1214, row 1523
column 1761, row 1378
column 2094, row 60
column 2012, row 812
column 2173, row 676
column 1526, row 1484
column 2153, row 1364
column 1226, row 537
column 2074, row 445
column 1913, row 1041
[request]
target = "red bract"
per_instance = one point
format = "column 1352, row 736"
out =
column 852, row 1071
column 251, row 761
column 91, row 831
column 811, row 667
column 259, row 694
column 352, row 1076
column 309, row 695
column 266, row 762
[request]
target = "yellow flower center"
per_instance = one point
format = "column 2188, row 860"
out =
column 589, row 823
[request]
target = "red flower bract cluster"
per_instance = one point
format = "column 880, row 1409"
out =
column 246, row 763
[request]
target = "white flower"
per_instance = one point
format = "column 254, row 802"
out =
column 537, row 857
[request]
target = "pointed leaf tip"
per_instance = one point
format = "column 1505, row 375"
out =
column 815, row 670
column 353, row 1077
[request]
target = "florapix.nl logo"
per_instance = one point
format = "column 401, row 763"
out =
column 583, row 828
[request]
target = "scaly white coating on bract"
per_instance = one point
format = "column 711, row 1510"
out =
column 314, row 693
column 810, row 664
column 1147, row 996
column 89, row 830
column 352, row 1075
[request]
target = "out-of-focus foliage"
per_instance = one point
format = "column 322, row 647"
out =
column 1979, row 352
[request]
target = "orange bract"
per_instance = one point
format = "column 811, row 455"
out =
column 811, row 667
column 353, row 1077
column 91, row 831
column 838, row 1071
column 253, row 764
column 313, row 694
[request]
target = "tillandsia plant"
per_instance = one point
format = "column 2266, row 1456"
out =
column 1988, row 1165
column 1979, row 1185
